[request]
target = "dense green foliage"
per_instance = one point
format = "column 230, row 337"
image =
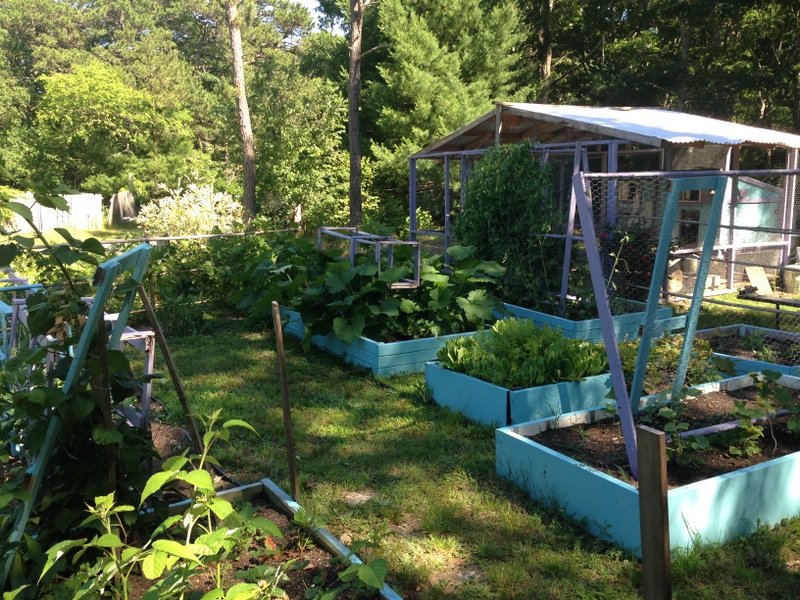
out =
column 510, row 201
column 89, row 453
column 351, row 301
column 518, row 354
column 114, row 95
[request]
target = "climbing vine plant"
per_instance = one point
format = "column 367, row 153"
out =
column 510, row 203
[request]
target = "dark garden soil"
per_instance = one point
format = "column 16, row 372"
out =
column 769, row 349
column 295, row 545
column 601, row 445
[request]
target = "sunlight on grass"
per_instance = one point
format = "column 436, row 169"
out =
column 455, row 530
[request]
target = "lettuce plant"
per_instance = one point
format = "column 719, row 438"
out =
column 517, row 354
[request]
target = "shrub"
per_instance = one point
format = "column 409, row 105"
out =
column 195, row 210
column 509, row 197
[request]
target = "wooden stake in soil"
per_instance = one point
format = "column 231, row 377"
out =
column 654, row 514
column 287, row 414
column 197, row 439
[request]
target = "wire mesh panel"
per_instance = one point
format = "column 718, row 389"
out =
column 750, row 297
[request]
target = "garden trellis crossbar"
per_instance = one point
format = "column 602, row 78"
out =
column 105, row 278
column 680, row 182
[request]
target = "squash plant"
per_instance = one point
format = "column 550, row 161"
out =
column 360, row 301
column 332, row 296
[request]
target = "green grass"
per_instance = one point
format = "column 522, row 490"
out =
column 746, row 312
column 450, row 527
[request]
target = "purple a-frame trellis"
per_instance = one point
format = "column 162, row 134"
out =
column 679, row 182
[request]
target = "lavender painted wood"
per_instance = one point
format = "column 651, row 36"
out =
column 716, row 510
column 495, row 405
column 382, row 358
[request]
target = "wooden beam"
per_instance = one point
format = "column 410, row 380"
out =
column 654, row 514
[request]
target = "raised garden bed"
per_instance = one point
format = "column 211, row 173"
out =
column 283, row 504
column 382, row 358
column 493, row 405
column 749, row 347
column 718, row 509
column 626, row 326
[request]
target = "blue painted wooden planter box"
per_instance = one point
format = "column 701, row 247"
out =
column 626, row 326
column 716, row 510
column 382, row 358
column 743, row 366
column 493, row 405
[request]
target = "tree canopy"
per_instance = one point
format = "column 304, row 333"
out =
column 116, row 94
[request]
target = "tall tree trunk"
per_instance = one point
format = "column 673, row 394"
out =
column 683, row 82
column 357, row 8
column 545, row 49
column 245, row 128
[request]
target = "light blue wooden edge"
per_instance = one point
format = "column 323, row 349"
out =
column 715, row 510
column 494, row 405
column 105, row 275
column 558, row 399
column 478, row 400
column 382, row 358
column 744, row 366
column 626, row 326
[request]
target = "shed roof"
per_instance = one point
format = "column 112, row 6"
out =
column 551, row 123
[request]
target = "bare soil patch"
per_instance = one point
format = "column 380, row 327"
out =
column 601, row 445
column 764, row 348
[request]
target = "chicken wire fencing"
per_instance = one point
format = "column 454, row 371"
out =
column 750, row 295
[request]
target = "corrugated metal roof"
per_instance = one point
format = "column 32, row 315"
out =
column 549, row 123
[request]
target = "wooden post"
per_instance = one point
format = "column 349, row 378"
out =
column 287, row 413
column 197, row 439
column 654, row 514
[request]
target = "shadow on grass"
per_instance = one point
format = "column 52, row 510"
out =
column 430, row 478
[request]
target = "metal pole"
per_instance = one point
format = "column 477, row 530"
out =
column 287, row 413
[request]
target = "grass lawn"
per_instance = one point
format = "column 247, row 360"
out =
column 377, row 458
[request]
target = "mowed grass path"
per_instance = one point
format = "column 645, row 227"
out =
column 378, row 459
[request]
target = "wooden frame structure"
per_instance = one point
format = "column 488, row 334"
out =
column 134, row 264
column 608, row 135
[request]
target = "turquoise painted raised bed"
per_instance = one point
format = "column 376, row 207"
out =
column 715, row 510
column 382, row 358
column 493, row 405
column 743, row 366
column 626, row 326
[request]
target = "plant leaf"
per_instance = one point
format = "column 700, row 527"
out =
column 199, row 478
column 237, row 423
column 348, row 331
column 154, row 564
column 57, row 550
column 374, row 572
column 176, row 549
column 155, row 483
column 19, row 208
column 8, row 252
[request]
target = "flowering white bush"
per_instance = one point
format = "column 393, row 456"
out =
column 195, row 210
